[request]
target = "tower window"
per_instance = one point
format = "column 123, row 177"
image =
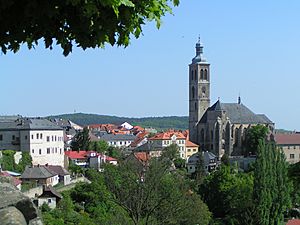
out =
column 192, row 74
column 201, row 74
column 195, row 106
column 205, row 74
column 195, row 74
column 193, row 92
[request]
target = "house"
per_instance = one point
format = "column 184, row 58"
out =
column 290, row 144
column 151, row 149
column 49, row 197
column 118, row 140
column 43, row 139
column 63, row 175
column 126, row 125
column 165, row 139
column 141, row 138
column 190, row 148
column 90, row 159
column 209, row 159
column 293, row 222
column 40, row 175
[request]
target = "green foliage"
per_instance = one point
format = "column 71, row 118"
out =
column 294, row 176
column 75, row 169
column 86, row 24
column 152, row 195
column 271, row 185
column 114, row 152
column 159, row 123
column 253, row 136
column 98, row 146
column 81, row 140
column 228, row 194
column 26, row 160
column 8, row 162
column 225, row 160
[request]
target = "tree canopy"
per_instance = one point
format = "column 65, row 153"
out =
column 253, row 136
column 84, row 23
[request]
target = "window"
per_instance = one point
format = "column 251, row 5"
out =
column 37, row 136
column 32, row 136
column 25, row 137
column 201, row 74
column 48, row 138
column 193, row 92
column 41, row 136
column 52, row 138
column 124, row 142
column 1, row 137
column 120, row 142
column 13, row 137
column 55, row 150
column 55, row 138
column 188, row 149
column 52, row 149
column 40, row 151
column 205, row 74
column 292, row 156
column 194, row 150
column 192, row 74
column 60, row 151
column 294, row 147
column 48, row 150
column 49, row 200
column 32, row 151
column 288, row 147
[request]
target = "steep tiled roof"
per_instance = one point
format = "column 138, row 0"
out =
column 190, row 144
column 167, row 135
column 38, row 172
column 237, row 113
column 76, row 154
column 142, row 156
column 50, row 191
column 287, row 139
column 28, row 124
column 58, row 170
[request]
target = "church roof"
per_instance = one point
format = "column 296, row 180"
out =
column 237, row 113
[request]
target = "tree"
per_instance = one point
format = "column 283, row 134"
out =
column 253, row 136
column 294, row 176
column 225, row 159
column 272, row 188
column 26, row 160
column 152, row 195
column 228, row 194
column 86, row 24
column 200, row 173
column 98, row 146
column 81, row 140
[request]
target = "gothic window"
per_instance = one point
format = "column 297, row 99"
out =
column 205, row 74
column 202, row 134
column 193, row 92
column 201, row 74
column 192, row 74
column 195, row 74
column 195, row 106
column 236, row 134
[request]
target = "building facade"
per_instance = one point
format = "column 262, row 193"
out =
column 290, row 145
column 222, row 127
column 40, row 137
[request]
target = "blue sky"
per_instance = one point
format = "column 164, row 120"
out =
column 253, row 48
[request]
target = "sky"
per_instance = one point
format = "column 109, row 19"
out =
column 253, row 48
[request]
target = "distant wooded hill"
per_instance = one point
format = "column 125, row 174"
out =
column 159, row 123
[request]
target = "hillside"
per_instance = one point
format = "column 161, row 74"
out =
column 160, row 123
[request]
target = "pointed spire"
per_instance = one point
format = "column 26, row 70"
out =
column 199, row 47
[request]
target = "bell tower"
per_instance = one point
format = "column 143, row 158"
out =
column 199, row 90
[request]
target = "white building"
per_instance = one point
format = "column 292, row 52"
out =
column 118, row 140
column 42, row 138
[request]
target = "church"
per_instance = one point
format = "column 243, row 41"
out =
column 220, row 128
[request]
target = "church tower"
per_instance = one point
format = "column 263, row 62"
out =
column 199, row 90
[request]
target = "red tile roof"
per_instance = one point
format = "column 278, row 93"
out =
column 77, row 154
column 142, row 156
column 287, row 139
column 190, row 144
column 293, row 222
column 167, row 135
